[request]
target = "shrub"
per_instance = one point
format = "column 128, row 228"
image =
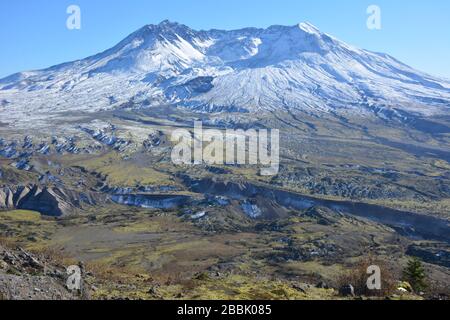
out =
column 357, row 276
column 415, row 274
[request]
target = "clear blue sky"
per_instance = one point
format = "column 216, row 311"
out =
column 33, row 33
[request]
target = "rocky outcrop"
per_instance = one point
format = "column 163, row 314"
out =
column 151, row 201
column 347, row 290
column 24, row 276
column 108, row 137
column 49, row 201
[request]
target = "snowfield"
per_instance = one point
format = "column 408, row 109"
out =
column 281, row 67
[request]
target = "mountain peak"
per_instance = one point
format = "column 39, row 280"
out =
column 309, row 28
column 294, row 66
column 168, row 23
column 166, row 26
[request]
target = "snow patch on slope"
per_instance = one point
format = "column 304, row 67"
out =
column 281, row 67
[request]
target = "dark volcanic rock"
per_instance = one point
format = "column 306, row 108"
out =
column 151, row 201
column 347, row 290
column 434, row 254
column 322, row 215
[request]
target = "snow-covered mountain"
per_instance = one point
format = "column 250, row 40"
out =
column 295, row 67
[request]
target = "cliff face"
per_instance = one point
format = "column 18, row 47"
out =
column 49, row 201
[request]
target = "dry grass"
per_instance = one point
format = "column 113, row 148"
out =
column 107, row 272
column 6, row 242
column 120, row 172
column 21, row 216
column 55, row 255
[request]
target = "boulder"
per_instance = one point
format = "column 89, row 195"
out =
column 404, row 287
column 347, row 290
column 322, row 285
